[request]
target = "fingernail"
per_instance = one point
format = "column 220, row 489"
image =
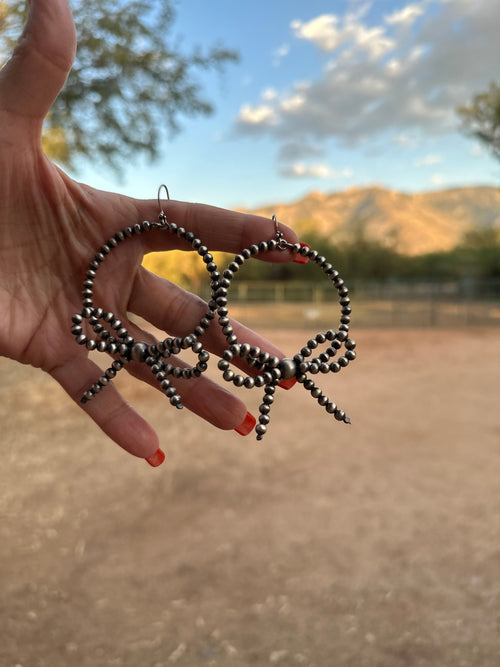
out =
column 157, row 458
column 300, row 259
column 247, row 426
column 287, row 384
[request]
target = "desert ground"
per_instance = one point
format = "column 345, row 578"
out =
column 326, row 545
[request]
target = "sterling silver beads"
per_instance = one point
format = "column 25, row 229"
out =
column 97, row 329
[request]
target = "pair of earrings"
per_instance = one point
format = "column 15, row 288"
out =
column 110, row 336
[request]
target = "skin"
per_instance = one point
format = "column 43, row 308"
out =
column 50, row 228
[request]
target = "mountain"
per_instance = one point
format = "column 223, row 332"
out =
column 412, row 224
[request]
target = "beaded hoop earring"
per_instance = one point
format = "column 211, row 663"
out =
column 121, row 343
column 113, row 338
column 271, row 370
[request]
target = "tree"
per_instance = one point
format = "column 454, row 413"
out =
column 129, row 83
column 482, row 118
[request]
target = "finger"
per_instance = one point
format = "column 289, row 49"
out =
column 184, row 312
column 109, row 410
column 200, row 395
column 33, row 77
column 218, row 228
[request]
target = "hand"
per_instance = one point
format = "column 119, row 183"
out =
column 50, row 228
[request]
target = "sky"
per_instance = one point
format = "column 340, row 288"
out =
column 327, row 96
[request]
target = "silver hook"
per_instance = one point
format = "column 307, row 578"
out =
column 159, row 197
column 276, row 228
column 281, row 241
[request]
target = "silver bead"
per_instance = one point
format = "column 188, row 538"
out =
column 245, row 349
column 176, row 401
column 273, row 362
column 264, row 357
column 238, row 380
column 288, row 368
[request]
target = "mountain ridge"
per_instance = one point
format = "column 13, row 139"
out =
column 412, row 224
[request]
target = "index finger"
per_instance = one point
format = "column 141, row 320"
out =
column 218, row 228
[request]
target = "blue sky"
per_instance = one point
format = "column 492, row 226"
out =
column 327, row 96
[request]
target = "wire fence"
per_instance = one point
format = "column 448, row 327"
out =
column 457, row 303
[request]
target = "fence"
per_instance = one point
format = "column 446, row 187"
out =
column 392, row 303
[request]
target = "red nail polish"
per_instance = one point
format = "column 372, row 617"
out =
column 247, row 426
column 287, row 384
column 300, row 259
column 157, row 458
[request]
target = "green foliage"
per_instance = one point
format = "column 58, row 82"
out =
column 129, row 83
column 481, row 118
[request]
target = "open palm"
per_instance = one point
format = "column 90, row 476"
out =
column 50, row 227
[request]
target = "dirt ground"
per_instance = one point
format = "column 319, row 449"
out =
column 326, row 545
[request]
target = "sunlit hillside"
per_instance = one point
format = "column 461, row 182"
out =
column 412, row 224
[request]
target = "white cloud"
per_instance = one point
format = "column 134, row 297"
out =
column 382, row 82
column 393, row 67
column 293, row 103
column 329, row 33
column 322, row 31
column 405, row 16
column 259, row 115
column 405, row 139
column 428, row 160
column 269, row 94
column 323, row 171
column 280, row 53
column 438, row 179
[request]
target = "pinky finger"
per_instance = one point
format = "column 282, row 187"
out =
column 111, row 412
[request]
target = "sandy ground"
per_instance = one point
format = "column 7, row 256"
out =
column 376, row 544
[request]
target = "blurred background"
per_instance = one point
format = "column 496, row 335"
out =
column 372, row 128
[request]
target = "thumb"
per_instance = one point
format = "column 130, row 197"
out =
column 39, row 66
